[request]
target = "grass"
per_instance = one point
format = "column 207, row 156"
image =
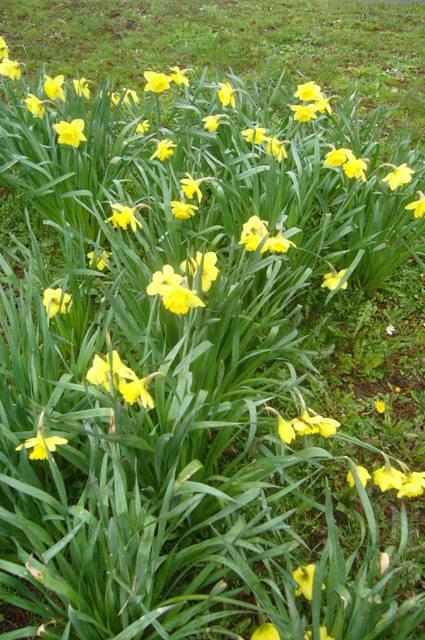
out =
column 373, row 46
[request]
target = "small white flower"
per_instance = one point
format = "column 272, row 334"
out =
column 391, row 330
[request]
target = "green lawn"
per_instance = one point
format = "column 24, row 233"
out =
column 342, row 44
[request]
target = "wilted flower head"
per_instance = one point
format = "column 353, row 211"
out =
column 70, row 133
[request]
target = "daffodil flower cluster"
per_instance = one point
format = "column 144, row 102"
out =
column 313, row 102
column 407, row 485
column 255, row 236
column 172, row 288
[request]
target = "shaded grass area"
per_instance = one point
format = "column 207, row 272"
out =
column 373, row 46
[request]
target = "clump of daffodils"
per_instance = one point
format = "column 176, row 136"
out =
column 313, row 102
column 255, row 236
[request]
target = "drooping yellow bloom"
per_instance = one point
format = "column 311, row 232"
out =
column 156, row 82
column 70, row 133
column 307, row 424
column 205, row 262
column 41, row 445
column 164, row 150
column 337, row 157
column 362, row 473
column 332, row 279
column 257, row 135
column 279, row 244
column 355, row 168
column 418, row 206
column 137, row 390
column 110, row 370
column 399, row 176
column 53, row 87
column 323, row 105
column 179, row 299
column 81, row 88
column 143, row 127
column 190, row 187
column 286, row 430
column 98, row 260
column 179, row 77
column 226, row 94
column 304, row 577
column 308, row 91
column 4, row 49
column 413, row 485
column 303, row 426
column 266, row 631
column 304, row 112
column 10, row 69
column 182, row 210
column 56, row 301
column 387, row 478
column 35, row 105
column 254, row 234
column 380, row 406
column 165, row 277
column 123, row 216
column 211, row 123
column 275, row 148
column 323, row 634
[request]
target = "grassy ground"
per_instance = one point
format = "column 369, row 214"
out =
column 375, row 47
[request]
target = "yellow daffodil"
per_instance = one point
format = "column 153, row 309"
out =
column 53, row 87
column 4, row 49
column 164, row 150
column 179, row 299
column 355, row 168
column 387, row 478
column 128, row 97
column 41, row 445
column 226, row 94
column 323, row 105
column 35, row 105
column 363, row 475
column 137, row 390
column 165, row 277
column 179, row 77
column 70, row 133
column 10, row 69
column 105, row 371
column 205, row 262
column 307, row 424
column 413, row 485
column 279, row 244
column 304, row 112
column 308, row 91
column 257, row 135
column 143, row 127
column 399, row 176
column 380, row 406
column 190, row 187
column 275, row 148
column 56, row 301
column 98, row 260
column 323, row 634
column 182, row 210
column 337, row 157
column 332, row 279
column 286, row 430
column 254, row 233
column 418, row 207
column 81, row 88
column 212, row 123
column 266, row 631
column 123, row 216
column 304, row 577
column 156, row 82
